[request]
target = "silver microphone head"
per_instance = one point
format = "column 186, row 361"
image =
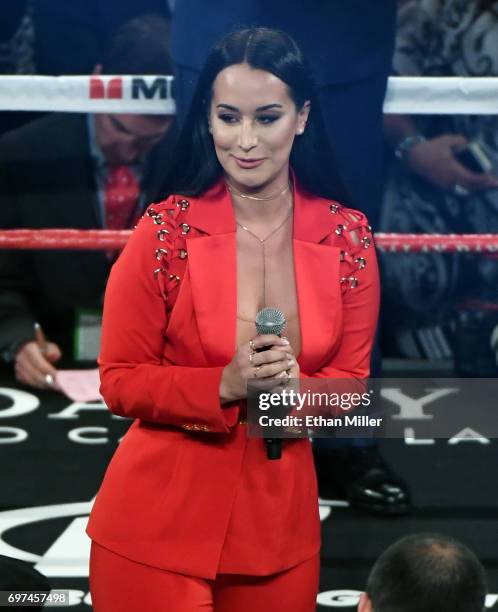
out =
column 270, row 321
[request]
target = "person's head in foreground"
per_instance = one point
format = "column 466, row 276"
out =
column 425, row 573
column 255, row 112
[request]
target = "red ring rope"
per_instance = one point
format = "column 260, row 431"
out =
column 114, row 239
column 63, row 239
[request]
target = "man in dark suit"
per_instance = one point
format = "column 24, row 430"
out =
column 76, row 171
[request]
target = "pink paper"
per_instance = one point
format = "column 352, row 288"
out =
column 79, row 385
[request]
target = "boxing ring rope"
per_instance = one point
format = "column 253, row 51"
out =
column 63, row 239
column 153, row 95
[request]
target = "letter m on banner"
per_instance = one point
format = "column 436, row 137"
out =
column 112, row 91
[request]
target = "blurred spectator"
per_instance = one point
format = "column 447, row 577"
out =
column 17, row 37
column 17, row 51
column 72, row 35
column 76, row 171
column 443, row 305
column 425, row 573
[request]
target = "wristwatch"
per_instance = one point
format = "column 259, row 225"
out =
column 407, row 143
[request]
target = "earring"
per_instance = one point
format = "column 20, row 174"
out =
column 300, row 131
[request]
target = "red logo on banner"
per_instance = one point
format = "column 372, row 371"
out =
column 99, row 91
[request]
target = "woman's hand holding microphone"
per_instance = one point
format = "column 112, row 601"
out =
column 277, row 362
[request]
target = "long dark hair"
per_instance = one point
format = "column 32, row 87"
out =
column 195, row 166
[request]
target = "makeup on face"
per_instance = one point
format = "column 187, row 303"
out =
column 253, row 121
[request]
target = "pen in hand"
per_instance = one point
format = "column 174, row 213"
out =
column 40, row 338
column 41, row 341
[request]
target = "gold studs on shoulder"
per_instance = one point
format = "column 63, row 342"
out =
column 352, row 280
column 339, row 229
column 362, row 262
column 334, row 208
column 367, row 241
column 183, row 204
column 168, row 237
column 160, row 253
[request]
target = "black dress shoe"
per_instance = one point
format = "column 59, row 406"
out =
column 361, row 477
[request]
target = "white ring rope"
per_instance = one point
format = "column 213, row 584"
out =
column 150, row 94
column 85, row 94
column 442, row 95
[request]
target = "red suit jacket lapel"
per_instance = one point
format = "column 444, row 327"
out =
column 212, row 266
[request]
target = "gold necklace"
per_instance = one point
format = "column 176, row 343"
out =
column 273, row 231
column 262, row 242
column 256, row 198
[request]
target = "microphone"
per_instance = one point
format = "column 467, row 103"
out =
column 271, row 321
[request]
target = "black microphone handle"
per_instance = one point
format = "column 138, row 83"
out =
column 273, row 448
column 277, row 321
column 273, row 445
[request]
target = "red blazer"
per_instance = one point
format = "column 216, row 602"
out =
column 187, row 490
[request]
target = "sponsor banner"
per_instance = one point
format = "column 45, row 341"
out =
column 56, row 452
column 96, row 94
column 414, row 409
column 153, row 94
column 56, row 449
column 348, row 599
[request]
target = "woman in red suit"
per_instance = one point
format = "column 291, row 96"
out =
column 191, row 514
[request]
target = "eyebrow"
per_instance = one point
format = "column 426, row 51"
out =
column 260, row 108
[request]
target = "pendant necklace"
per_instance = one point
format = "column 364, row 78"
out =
column 262, row 242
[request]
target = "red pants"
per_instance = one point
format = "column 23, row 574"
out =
column 120, row 585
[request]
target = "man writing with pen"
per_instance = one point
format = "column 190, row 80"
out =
column 85, row 172
column 50, row 351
